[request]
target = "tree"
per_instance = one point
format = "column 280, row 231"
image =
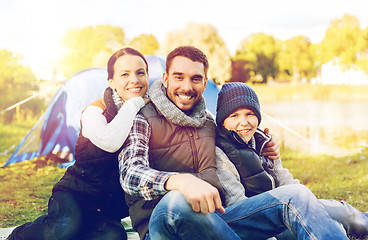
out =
column 240, row 71
column 147, row 44
column 295, row 58
column 343, row 39
column 206, row 38
column 90, row 47
column 260, row 50
column 17, row 82
column 362, row 61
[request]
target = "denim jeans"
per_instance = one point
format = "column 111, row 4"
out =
column 355, row 222
column 292, row 207
column 68, row 219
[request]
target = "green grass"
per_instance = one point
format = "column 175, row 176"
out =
column 329, row 177
column 26, row 187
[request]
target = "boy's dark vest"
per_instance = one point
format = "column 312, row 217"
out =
column 174, row 148
column 94, row 177
column 256, row 173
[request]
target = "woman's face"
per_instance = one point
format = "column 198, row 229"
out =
column 244, row 122
column 130, row 77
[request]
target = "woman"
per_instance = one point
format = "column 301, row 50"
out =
column 88, row 202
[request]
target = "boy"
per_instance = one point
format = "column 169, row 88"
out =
column 237, row 135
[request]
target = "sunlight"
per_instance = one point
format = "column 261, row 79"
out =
column 42, row 56
column 35, row 35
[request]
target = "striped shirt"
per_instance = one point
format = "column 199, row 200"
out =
column 136, row 176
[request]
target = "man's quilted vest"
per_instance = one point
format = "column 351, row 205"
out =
column 174, row 148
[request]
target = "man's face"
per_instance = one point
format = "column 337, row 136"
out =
column 185, row 83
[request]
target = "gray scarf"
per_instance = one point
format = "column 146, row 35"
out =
column 172, row 113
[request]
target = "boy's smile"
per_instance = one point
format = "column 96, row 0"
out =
column 244, row 122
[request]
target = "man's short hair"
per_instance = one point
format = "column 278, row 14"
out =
column 190, row 52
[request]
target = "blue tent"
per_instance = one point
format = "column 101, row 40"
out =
column 56, row 132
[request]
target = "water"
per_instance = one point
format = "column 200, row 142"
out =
column 331, row 127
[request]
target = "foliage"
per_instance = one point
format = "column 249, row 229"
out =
column 261, row 51
column 89, row 47
column 147, row 44
column 206, row 38
column 240, row 70
column 362, row 55
column 343, row 39
column 345, row 43
column 295, row 58
column 17, row 82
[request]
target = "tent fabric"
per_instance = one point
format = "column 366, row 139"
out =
column 57, row 130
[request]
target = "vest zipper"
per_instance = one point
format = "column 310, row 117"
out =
column 261, row 155
column 271, row 178
column 194, row 150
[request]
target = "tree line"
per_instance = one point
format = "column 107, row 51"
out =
column 258, row 58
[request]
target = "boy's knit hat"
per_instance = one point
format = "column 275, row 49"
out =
column 235, row 95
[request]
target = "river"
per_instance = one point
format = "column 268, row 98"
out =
column 331, row 127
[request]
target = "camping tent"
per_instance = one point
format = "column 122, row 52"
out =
column 57, row 130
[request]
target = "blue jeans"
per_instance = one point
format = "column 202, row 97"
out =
column 355, row 222
column 68, row 219
column 292, row 207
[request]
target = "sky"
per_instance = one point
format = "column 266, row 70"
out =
column 34, row 28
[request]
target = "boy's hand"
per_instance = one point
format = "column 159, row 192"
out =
column 271, row 149
column 202, row 196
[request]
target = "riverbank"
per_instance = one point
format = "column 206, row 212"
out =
column 320, row 119
column 307, row 92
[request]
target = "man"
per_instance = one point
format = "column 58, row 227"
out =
column 168, row 170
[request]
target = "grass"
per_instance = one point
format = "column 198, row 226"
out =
column 329, row 177
column 26, row 187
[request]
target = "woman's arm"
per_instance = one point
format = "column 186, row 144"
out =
column 110, row 136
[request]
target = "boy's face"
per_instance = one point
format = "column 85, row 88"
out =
column 244, row 122
column 185, row 83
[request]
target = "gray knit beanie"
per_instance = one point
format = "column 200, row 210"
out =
column 233, row 96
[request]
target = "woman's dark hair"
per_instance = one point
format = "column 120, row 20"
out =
column 119, row 53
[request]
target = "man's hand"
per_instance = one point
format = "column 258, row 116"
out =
column 271, row 149
column 202, row 196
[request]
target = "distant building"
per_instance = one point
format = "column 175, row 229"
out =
column 332, row 73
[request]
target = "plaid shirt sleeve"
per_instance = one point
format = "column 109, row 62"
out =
column 136, row 177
